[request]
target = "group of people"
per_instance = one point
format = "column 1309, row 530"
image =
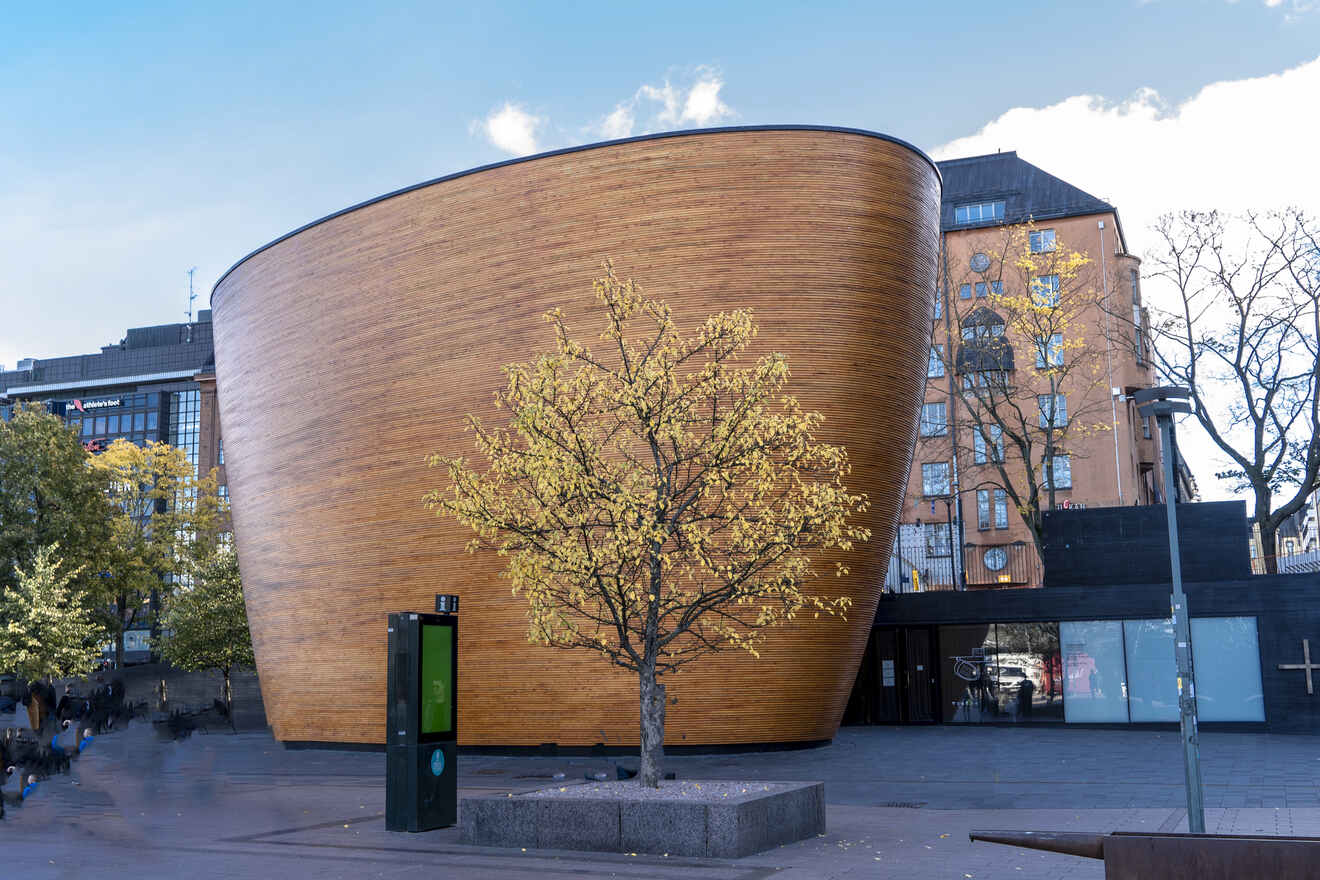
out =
column 48, row 747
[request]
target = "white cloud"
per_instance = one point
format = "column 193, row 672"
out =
column 1234, row 145
column 511, row 129
column 703, row 105
column 668, row 106
column 618, row 124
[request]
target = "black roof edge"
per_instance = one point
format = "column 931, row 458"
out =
column 962, row 159
column 1051, row 215
column 576, row 149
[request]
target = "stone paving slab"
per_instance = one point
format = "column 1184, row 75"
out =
column 241, row 806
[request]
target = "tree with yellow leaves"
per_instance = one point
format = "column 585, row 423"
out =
column 656, row 500
column 162, row 527
column 1030, row 377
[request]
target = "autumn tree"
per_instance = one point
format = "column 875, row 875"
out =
column 49, row 494
column 1029, row 378
column 163, row 518
column 656, row 500
column 205, row 624
column 1241, row 330
column 49, row 631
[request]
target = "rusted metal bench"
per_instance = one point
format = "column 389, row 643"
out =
column 1138, row 855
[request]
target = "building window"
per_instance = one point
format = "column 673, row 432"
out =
column 974, row 332
column 935, row 478
column 1053, row 410
column 1001, row 509
column 937, row 540
column 1042, row 241
column 1145, row 427
column 1045, row 290
column 982, row 288
column 978, row 212
column 935, row 366
column 983, row 509
column 220, row 450
column 995, row 445
column 993, row 379
column 1049, row 351
column 1062, row 471
column 1138, row 335
column 934, row 420
column 1133, row 279
column 185, row 422
column 936, row 307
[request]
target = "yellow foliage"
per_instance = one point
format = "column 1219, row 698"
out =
column 655, row 500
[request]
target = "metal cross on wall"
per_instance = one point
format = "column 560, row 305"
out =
column 1305, row 664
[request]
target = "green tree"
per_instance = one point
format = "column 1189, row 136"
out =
column 656, row 501
column 205, row 625
column 162, row 526
column 50, row 495
column 49, row 631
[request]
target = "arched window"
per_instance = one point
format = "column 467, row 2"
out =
column 984, row 347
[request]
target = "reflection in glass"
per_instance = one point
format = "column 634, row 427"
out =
column 968, row 688
column 1007, row 672
column 1152, row 670
column 1027, row 672
column 1094, row 689
column 1227, row 660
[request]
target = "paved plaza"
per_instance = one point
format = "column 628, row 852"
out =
column 900, row 802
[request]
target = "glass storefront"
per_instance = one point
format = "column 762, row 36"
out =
column 1001, row 672
column 1094, row 689
column 1097, row 671
column 1228, row 685
column 1151, row 675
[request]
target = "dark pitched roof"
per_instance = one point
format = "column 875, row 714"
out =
column 1027, row 191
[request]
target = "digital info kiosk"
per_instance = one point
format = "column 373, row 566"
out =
column 421, row 791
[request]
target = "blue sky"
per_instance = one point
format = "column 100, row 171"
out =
column 138, row 142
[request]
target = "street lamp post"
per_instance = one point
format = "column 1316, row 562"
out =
column 1162, row 403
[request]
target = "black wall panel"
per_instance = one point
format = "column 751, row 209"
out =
column 1105, row 546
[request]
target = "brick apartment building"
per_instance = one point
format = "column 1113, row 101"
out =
column 1002, row 221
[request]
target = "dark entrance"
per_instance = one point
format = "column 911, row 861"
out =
column 897, row 681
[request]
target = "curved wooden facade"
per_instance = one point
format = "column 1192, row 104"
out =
column 349, row 350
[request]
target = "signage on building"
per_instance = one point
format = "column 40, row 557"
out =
column 83, row 406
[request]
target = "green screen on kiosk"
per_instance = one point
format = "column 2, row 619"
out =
column 437, row 681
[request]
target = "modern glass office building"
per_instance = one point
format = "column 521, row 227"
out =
column 145, row 388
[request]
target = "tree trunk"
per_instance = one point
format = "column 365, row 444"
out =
column 121, row 607
column 653, row 726
column 229, row 698
column 1268, row 539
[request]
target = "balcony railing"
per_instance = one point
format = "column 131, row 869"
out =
column 1295, row 563
column 1001, row 565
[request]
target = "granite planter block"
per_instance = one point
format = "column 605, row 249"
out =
column 761, row 823
column 570, row 823
column 725, row 820
column 670, row 827
column 502, row 821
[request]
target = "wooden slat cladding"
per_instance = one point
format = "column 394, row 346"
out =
column 350, row 350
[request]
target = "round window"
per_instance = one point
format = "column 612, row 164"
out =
column 980, row 262
column 996, row 558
